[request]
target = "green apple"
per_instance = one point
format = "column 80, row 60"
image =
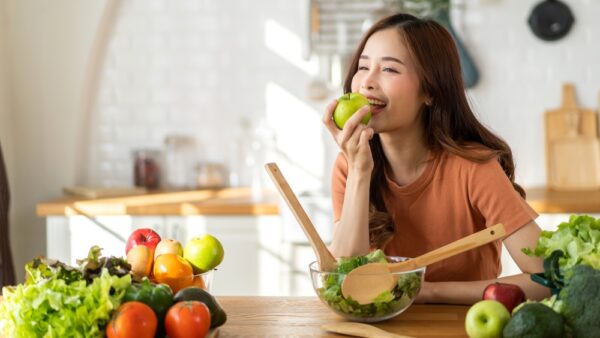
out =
column 204, row 253
column 486, row 319
column 347, row 105
column 168, row 245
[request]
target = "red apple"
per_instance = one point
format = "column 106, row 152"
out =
column 510, row 295
column 142, row 236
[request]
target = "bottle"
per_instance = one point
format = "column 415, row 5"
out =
column 241, row 159
column 146, row 168
column 179, row 161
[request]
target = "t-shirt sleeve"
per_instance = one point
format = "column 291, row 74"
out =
column 338, row 185
column 493, row 195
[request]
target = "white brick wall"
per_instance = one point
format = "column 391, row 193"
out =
column 196, row 67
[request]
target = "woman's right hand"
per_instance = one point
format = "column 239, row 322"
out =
column 353, row 139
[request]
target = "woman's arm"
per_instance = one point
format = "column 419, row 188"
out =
column 471, row 292
column 351, row 232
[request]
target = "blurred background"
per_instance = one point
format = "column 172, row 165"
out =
column 208, row 91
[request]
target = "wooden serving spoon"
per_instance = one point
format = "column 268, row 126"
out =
column 368, row 281
column 326, row 260
column 360, row 330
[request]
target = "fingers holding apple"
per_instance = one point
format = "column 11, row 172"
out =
column 347, row 105
column 328, row 117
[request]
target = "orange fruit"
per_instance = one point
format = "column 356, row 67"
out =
column 174, row 271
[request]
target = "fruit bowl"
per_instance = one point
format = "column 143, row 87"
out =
column 202, row 280
column 327, row 285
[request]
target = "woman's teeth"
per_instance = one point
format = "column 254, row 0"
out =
column 374, row 102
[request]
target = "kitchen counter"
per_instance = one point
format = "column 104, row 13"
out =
column 239, row 201
column 230, row 201
column 548, row 201
column 303, row 316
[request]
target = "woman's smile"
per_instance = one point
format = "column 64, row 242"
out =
column 377, row 105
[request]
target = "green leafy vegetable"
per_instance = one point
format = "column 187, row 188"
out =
column 387, row 302
column 581, row 301
column 92, row 266
column 578, row 239
column 55, row 308
column 58, row 300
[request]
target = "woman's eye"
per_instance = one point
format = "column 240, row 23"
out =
column 391, row 70
column 363, row 68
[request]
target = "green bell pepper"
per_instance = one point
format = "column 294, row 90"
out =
column 158, row 296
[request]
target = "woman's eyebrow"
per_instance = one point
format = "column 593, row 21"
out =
column 385, row 58
column 390, row 58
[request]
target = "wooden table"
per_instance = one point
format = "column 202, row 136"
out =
column 303, row 317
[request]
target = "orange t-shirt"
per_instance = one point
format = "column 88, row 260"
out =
column 453, row 198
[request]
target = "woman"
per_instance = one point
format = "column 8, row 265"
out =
column 424, row 171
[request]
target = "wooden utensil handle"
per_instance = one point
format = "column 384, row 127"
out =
column 301, row 216
column 464, row 244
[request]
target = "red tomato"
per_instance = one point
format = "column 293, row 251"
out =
column 132, row 320
column 187, row 319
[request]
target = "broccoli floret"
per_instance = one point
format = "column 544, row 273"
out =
column 581, row 302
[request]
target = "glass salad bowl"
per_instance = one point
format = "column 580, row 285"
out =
column 328, row 286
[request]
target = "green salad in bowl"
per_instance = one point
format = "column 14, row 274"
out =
column 328, row 285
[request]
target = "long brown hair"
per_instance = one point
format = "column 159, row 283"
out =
column 448, row 122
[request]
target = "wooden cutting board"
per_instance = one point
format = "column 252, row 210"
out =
column 572, row 146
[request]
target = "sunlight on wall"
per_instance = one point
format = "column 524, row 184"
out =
column 288, row 45
column 298, row 128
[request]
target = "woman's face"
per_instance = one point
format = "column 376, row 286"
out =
column 386, row 75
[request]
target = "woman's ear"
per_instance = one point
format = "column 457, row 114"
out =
column 428, row 101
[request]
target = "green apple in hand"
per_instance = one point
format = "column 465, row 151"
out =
column 486, row 319
column 347, row 105
column 203, row 252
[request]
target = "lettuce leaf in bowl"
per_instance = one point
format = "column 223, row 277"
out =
column 387, row 302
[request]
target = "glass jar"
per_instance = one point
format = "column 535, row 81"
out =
column 146, row 168
column 180, row 155
column 211, row 176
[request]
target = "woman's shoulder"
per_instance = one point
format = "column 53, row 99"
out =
column 469, row 159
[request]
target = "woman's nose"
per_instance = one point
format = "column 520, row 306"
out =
column 368, row 82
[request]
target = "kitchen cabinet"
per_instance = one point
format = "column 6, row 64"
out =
column 251, row 265
column 250, row 231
